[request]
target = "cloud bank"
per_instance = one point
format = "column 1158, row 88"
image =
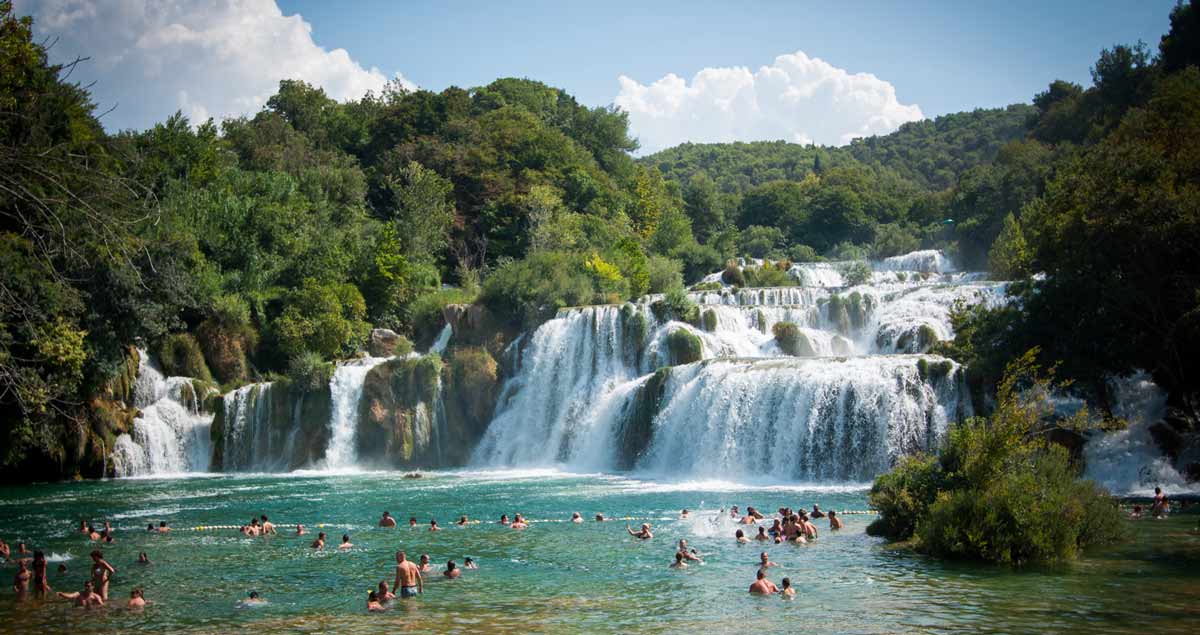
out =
column 797, row 98
column 207, row 58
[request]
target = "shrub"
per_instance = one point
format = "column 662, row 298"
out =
column 665, row 273
column 676, row 305
column 768, row 275
column 425, row 313
column 534, row 289
column 733, row 275
column 309, row 371
column 855, row 273
column 998, row 490
column 804, row 253
column 707, row 286
column 792, row 341
column 708, row 320
column 698, row 260
column 328, row 319
column 684, row 346
column 180, row 356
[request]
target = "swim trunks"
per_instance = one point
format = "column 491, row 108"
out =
column 408, row 591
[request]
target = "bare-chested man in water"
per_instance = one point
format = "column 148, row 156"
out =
column 408, row 582
column 763, row 586
column 88, row 598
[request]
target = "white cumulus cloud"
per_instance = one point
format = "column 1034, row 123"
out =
column 217, row 58
column 797, row 98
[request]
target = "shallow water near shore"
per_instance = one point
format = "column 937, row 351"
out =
column 555, row 577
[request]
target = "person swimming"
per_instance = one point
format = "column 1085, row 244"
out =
column 642, row 534
column 600, row 518
column 684, row 515
column 816, row 511
column 412, row 521
column 469, row 563
column 679, row 563
column 137, row 600
column 835, row 523
column 253, row 598
column 143, row 558
column 576, row 518
column 433, row 526
column 319, row 543
column 373, row 605
column 300, row 530
column 787, row 590
column 741, row 537
column 519, row 522
column 503, row 519
column 346, row 544
column 425, row 566
column 162, row 527
column 87, row 599
column 384, row 594
column 452, row 570
column 688, row 554
column 387, row 520
column 762, row 534
column 462, row 522
column 764, row 561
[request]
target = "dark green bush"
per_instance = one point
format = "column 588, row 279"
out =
column 684, row 346
column 791, row 340
column 733, row 275
column 534, row 289
column 180, row 356
column 855, row 273
column 665, row 273
column 998, row 491
column 708, row 320
column 309, row 371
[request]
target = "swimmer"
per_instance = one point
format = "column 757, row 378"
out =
column 373, row 605
column 387, row 520
column 143, row 558
column 733, row 512
column 468, row 563
column 384, row 594
column 93, row 534
column 5, row 551
column 137, row 600
column 62, row 568
column 462, row 522
column 346, row 544
column 451, row 571
column 503, row 519
column 83, row 526
column 408, row 577
column 600, row 518
column 762, row 534
column 810, row 530
column 741, row 537
column 300, row 530
column 684, row 515
column 425, row 566
column 1136, row 513
column 267, row 526
column 688, row 554
column 253, row 598
column 163, row 528
column 763, row 586
column 787, row 591
column 101, row 574
column 748, row 519
column 88, row 598
column 21, row 580
column 412, row 521
column 319, row 543
column 576, row 518
column 764, row 561
column 433, row 526
column 679, row 563
column 816, row 512
column 519, row 522
column 150, row 528
column 776, row 528
column 835, row 523
column 641, row 534
column 108, row 539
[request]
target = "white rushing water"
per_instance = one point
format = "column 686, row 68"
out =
column 1128, row 461
column 750, row 410
column 170, row 434
column 346, row 388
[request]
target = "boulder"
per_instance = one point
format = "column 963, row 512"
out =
column 387, row 343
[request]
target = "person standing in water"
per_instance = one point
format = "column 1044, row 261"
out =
column 267, row 526
column 137, row 600
column 384, row 594
column 41, row 584
column 345, row 543
column 679, row 563
column 408, row 582
column 763, row 586
column 787, row 590
column 319, row 543
column 88, row 598
column 101, row 573
column 642, row 534
column 387, row 520
column 21, row 580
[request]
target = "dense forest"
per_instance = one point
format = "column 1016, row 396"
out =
column 270, row 245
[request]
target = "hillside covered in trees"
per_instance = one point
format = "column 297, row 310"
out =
column 270, row 245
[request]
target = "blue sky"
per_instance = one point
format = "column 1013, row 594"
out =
column 700, row 71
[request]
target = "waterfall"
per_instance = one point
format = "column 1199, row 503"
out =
column 581, row 391
column 1129, row 461
column 346, row 388
column 248, row 439
column 170, row 434
column 443, row 338
column 809, row 419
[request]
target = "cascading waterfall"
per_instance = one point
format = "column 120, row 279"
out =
column 581, row 393
column 346, row 388
column 170, row 434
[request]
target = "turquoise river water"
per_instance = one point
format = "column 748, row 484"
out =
column 555, row 577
